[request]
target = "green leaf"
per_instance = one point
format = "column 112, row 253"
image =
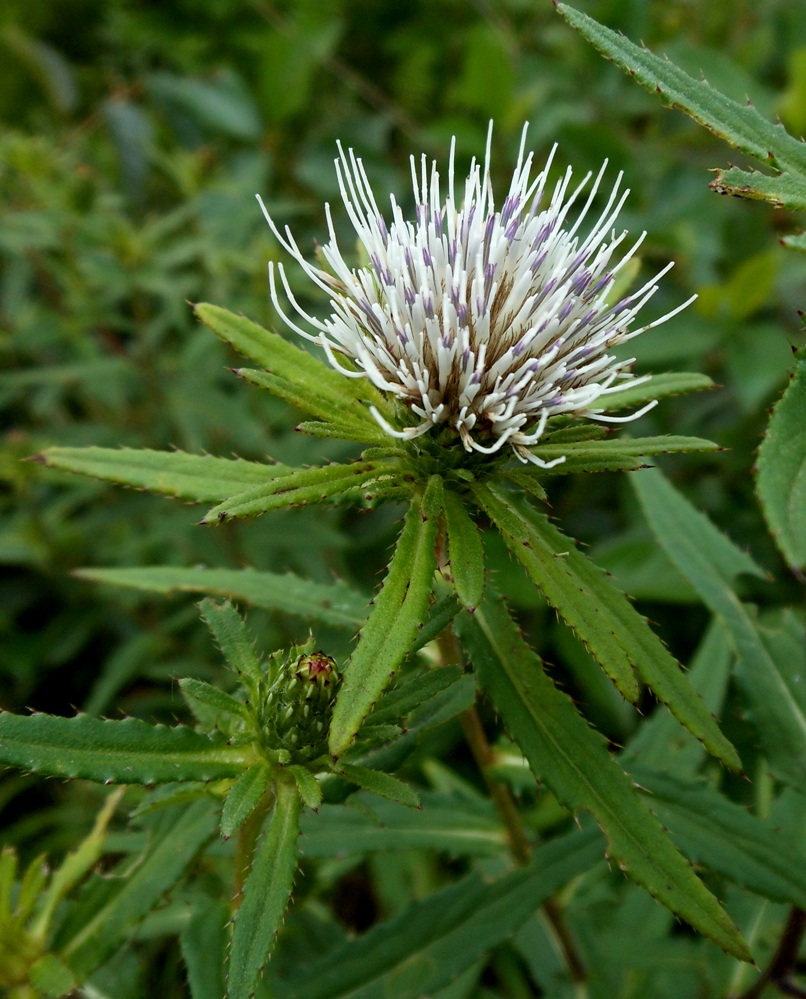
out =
column 433, row 941
column 331, row 603
column 365, row 824
column 781, row 469
column 710, row 561
column 307, row 785
column 106, row 913
column 118, row 752
column 75, row 866
column 51, row 977
column 739, row 124
column 295, row 375
column 573, row 760
column 617, row 453
column 342, row 423
column 8, row 876
column 167, row 795
column 305, row 485
column 266, row 894
column 550, row 567
column 465, row 551
column 726, row 838
column 243, row 797
column 783, row 191
column 319, row 428
column 213, row 697
column 415, row 688
column 658, row 387
column 232, row 637
column 33, row 881
column 602, row 617
column 439, row 617
column 770, row 677
column 219, row 106
column 659, row 741
column 448, row 703
column 526, row 480
column 204, row 947
column 200, row 478
column 392, row 627
column 376, row 782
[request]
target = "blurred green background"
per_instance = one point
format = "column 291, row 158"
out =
column 134, row 138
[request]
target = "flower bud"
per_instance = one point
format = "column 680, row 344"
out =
column 296, row 713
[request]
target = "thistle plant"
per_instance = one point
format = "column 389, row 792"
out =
column 473, row 351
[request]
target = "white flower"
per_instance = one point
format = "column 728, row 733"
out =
column 489, row 321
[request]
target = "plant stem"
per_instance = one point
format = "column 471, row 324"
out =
column 476, row 738
column 778, row 971
column 482, row 754
column 500, row 794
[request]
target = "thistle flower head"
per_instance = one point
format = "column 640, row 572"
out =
column 489, row 320
column 295, row 714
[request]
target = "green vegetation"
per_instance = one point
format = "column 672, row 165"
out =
column 410, row 689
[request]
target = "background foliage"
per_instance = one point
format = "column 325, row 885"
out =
column 134, row 137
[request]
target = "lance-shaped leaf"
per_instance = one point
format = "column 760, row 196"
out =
column 107, row 912
column 294, row 374
column 528, row 482
column 306, row 485
column 265, row 895
column 726, row 837
column 783, row 191
column 366, row 824
column 417, row 688
column 548, row 566
column 574, row 761
column 51, row 977
column 204, row 947
column 333, row 422
column 392, row 627
column 376, row 782
column 658, row 387
column 243, row 796
column 659, row 741
column 308, row 786
column 199, row 478
column 573, row 432
column 212, row 697
column 739, row 124
column 433, row 941
column 331, row 603
column 771, row 685
column 616, row 635
column 439, row 617
column 617, row 453
column 118, row 752
column 337, row 431
column 74, row 867
column 465, row 551
column 781, row 468
column 228, row 629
